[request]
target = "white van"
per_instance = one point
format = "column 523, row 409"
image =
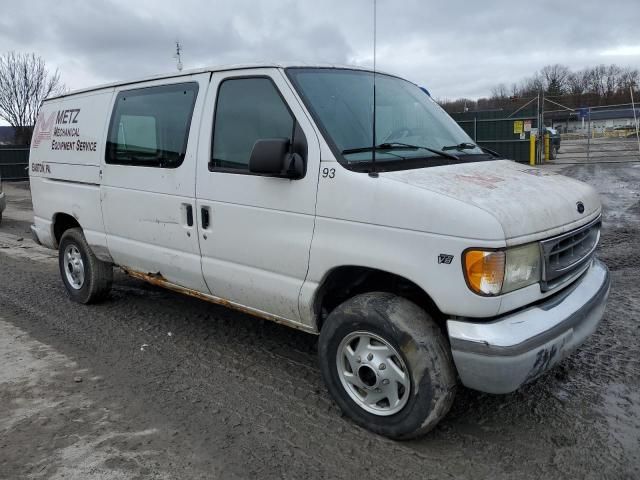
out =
column 420, row 262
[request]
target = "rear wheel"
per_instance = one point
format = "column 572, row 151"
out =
column 387, row 365
column 86, row 278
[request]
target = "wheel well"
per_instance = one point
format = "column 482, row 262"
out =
column 343, row 283
column 61, row 223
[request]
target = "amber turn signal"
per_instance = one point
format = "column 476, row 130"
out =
column 484, row 271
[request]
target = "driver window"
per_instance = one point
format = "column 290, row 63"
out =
column 247, row 110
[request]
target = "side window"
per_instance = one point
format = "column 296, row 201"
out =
column 247, row 110
column 150, row 126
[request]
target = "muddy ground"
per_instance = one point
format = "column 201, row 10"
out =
column 152, row 384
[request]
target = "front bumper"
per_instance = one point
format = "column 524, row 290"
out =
column 501, row 355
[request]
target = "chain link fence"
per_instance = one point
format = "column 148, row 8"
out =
column 14, row 163
column 597, row 134
column 570, row 135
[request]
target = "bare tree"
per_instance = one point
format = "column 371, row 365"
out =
column 555, row 79
column 500, row 92
column 628, row 78
column 25, row 83
column 577, row 82
column 612, row 79
column 531, row 86
column 597, row 81
column 457, row 105
column 597, row 85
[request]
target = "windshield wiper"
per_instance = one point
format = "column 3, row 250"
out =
column 493, row 153
column 400, row 146
column 461, row 146
column 471, row 146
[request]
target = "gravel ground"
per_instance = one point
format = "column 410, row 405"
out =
column 151, row 384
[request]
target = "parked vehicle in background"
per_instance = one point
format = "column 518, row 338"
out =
column 417, row 257
column 554, row 139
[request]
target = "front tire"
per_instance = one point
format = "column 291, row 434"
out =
column 86, row 278
column 387, row 365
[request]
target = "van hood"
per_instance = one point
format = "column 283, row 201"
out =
column 526, row 200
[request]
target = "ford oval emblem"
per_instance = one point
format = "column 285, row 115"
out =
column 580, row 207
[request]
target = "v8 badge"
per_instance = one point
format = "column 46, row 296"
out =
column 444, row 258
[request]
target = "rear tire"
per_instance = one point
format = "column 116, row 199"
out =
column 398, row 336
column 86, row 278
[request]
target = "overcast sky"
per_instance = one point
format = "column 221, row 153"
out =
column 453, row 47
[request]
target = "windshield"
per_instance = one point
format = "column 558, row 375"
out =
column 409, row 124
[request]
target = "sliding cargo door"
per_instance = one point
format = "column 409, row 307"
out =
column 148, row 179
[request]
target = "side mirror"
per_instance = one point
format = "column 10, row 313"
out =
column 270, row 156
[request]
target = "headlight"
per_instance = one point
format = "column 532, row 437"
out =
column 493, row 272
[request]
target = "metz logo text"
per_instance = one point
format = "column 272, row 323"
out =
column 47, row 125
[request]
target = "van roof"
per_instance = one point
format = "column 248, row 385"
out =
column 220, row 68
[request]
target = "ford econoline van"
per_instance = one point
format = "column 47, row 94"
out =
column 417, row 257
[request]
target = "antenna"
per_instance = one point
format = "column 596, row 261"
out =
column 178, row 56
column 373, row 172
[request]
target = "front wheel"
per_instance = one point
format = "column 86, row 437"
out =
column 86, row 278
column 387, row 365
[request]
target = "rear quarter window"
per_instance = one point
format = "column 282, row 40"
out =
column 150, row 126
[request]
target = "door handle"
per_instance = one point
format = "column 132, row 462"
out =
column 204, row 212
column 189, row 216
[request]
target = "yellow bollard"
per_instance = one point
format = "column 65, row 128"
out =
column 532, row 149
column 547, row 142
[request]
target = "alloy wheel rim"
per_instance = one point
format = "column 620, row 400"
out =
column 74, row 267
column 373, row 373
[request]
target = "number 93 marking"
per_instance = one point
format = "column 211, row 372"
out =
column 328, row 172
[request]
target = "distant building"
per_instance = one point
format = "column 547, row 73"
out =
column 602, row 119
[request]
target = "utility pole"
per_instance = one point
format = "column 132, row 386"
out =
column 635, row 117
column 178, row 56
column 589, row 134
column 540, row 152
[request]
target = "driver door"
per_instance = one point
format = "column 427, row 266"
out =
column 254, row 231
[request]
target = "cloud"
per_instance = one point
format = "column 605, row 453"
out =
column 454, row 47
column 622, row 51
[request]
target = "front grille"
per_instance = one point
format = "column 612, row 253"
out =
column 567, row 255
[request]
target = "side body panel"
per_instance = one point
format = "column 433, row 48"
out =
column 145, row 207
column 256, row 250
column 371, row 222
column 401, row 229
column 64, row 164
